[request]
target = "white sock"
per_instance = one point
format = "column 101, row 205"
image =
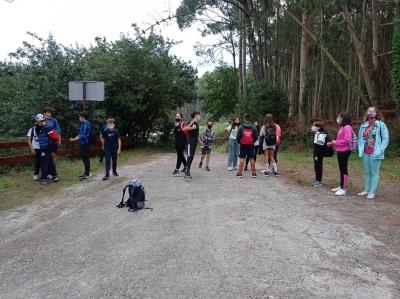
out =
column 267, row 168
column 275, row 167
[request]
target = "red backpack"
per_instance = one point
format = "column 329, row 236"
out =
column 247, row 137
column 183, row 125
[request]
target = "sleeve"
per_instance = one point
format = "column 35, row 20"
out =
column 228, row 128
column 84, row 133
column 29, row 133
column 262, row 131
column 347, row 136
column 239, row 134
column 212, row 137
column 103, row 133
column 204, row 136
column 255, row 133
column 384, row 136
column 118, row 134
column 57, row 126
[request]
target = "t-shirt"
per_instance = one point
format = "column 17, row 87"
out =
column 233, row 132
column 111, row 139
column 369, row 140
column 35, row 139
column 193, row 134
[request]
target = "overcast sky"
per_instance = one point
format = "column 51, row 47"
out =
column 80, row 21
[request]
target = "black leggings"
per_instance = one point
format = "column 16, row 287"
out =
column 180, row 156
column 318, row 167
column 191, row 149
column 343, row 160
column 85, row 156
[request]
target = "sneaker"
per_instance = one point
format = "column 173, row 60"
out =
column 230, row 168
column 275, row 173
column 200, row 165
column 106, row 178
column 363, row 193
column 235, row 168
column 41, row 181
column 50, row 177
column 266, row 173
column 262, row 171
column 254, row 175
column 336, row 189
column 36, row 177
column 176, row 171
column 188, row 175
column 245, row 168
column 317, row 184
column 184, row 169
column 55, row 179
column 83, row 177
column 115, row 174
column 207, row 168
column 371, row 195
column 340, row 192
column 239, row 175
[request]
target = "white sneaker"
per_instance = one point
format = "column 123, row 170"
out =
column 235, row 168
column 336, row 189
column 341, row 192
column 230, row 168
column 50, row 177
column 371, row 195
column 36, row 177
column 364, row 193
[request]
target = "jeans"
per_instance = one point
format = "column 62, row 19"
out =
column 85, row 156
column 110, row 155
column 180, row 156
column 233, row 153
column 371, row 173
column 343, row 160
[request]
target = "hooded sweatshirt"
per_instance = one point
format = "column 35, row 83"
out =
column 247, row 125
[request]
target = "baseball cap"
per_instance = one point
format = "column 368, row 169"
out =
column 40, row 117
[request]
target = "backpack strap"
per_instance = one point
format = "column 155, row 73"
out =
column 121, row 204
column 32, row 133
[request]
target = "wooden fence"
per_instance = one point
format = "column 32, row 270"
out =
column 67, row 149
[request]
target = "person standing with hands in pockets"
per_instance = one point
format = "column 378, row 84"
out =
column 111, row 145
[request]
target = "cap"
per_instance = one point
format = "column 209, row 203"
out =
column 40, row 117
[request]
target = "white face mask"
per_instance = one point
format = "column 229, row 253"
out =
column 314, row 129
column 339, row 121
column 111, row 127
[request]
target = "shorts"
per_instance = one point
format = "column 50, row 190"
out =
column 269, row 147
column 247, row 151
column 205, row 151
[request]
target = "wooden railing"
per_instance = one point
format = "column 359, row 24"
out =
column 67, row 149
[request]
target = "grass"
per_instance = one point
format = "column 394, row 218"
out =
column 17, row 188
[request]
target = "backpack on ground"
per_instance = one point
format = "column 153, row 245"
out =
column 137, row 196
column 328, row 150
column 270, row 138
column 354, row 142
column 247, row 138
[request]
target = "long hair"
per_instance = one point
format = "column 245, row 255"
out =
column 233, row 125
column 269, row 119
column 346, row 119
column 378, row 113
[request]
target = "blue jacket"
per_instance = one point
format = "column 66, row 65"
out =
column 84, row 133
column 54, row 123
column 381, row 140
column 44, row 139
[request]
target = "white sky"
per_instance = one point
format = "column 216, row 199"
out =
column 80, row 21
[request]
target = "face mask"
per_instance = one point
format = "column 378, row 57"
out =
column 237, row 123
column 209, row 126
column 339, row 121
column 178, row 120
column 111, row 127
column 314, row 129
column 372, row 115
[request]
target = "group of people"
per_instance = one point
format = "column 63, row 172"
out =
column 370, row 144
column 44, row 140
column 248, row 139
column 245, row 140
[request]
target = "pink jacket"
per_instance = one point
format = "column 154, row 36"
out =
column 343, row 139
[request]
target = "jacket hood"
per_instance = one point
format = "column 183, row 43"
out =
column 247, row 125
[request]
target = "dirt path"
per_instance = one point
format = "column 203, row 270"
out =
column 210, row 238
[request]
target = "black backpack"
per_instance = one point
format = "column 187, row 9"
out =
column 328, row 150
column 137, row 196
column 270, row 138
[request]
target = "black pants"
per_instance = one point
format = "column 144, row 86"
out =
column 47, row 165
column 180, row 156
column 85, row 156
column 110, row 155
column 343, row 160
column 318, row 167
column 191, row 149
column 256, row 148
column 38, row 153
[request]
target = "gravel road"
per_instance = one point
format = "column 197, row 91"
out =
column 214, row 237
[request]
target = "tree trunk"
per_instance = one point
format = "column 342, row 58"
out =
column 375, row 34
column 304, row 53
column 293, row 97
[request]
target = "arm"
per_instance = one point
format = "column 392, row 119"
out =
column 239, row 134
column 102, row 141
column 212, row 137
column 30, row 145
column 119, row 146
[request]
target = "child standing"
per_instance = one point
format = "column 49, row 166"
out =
column 232, row 131
column 319, row 146
column 111, row 145
column 49, row 114
column 34, row 146
column 269, row 138
column 207, row 140
column 193, row 138
column 246, row 136
column 256, row 147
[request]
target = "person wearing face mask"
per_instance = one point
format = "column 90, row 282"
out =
column 373, row 139
column 207, row 140
column 320, row 139
column 342, row 147
column 111, row 145
column 193, row 138
column 232, row 131
column 180, row 142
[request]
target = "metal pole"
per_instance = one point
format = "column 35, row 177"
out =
column 84, row 84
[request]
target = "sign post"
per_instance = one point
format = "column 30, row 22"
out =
column 86, row 91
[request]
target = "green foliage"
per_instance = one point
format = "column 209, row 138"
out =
column 219, row 92
column 396, row 66
column 263, row 99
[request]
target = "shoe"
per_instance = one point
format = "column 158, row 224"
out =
column 235, row 168
column 184, row 169
column 230, row 168
column 55, row 179
column 176, row 171
column 275, row 173
column 245, row 168
column 41, row 181
column 262, row 171
column 239, row 175
column 50, row 177
column 266, row 173
column 83, row 177
column 340, row 192
column 36, row 177
column 336, row 189
column 207, row 168
column 115, row 174
column 317, row 184
column 200, row 165
column 371, row 195
column 254, row 175
column 363, row 193
column 188, row 175
column 106, row 178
